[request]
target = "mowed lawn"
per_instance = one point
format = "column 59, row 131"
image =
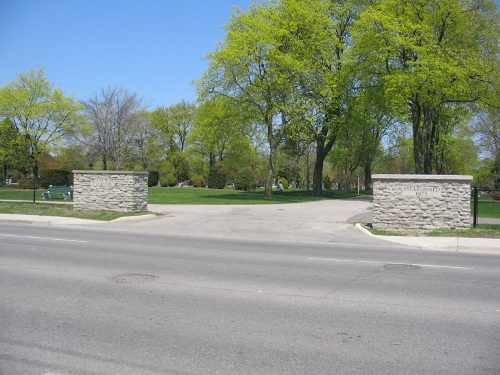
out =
column 231, row 196
column 201, row 196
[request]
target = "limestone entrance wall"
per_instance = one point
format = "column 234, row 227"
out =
column 421, row 201
column 125, row 191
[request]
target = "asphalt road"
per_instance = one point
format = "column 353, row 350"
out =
column 227, row 306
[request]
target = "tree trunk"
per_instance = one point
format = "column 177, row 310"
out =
column 322, row 150
column 318, row 173
column 5, row 170
column 368, row 177
column 270, row 172
column 212, row 160
column 425, row 121
column 418, row 141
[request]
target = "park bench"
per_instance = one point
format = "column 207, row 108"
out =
column 53, row 191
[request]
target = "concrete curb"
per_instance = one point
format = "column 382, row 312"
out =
column 458, row 244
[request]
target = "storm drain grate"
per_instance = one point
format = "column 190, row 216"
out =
column 135, row 278
column 402, row 267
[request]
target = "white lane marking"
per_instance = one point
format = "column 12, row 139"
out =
column 435, row 266
column 373, row 262
column 42, row 238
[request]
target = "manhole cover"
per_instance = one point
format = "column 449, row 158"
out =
column 403, row 267
column 135, row 278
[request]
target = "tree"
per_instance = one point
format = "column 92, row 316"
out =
column 149, row 145
column 220, row 131
column 11, row 152
column 113, row 116
column 397, row 157
column 40, row 114
column 487, row 129
column 180, row 119
column 318, row 35
column 251, row 66
column 432, row 55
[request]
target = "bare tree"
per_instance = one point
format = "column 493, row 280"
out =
column 487, row 129
column 112, row 115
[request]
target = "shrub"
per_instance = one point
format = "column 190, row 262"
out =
column 216, row 180
column 284, row 181
column 56, row 177
column 495, row 195
column 198, row 181
column 169, row 180
column 27, row 183
column 153, row 178
column 245, row 180
column 327, row 181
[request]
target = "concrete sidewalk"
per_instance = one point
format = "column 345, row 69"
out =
column 331, row 221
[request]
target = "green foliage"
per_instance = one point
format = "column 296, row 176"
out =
column 432, row 56
column 495, row 176
column 168, row 181
column 252, row 67
column 483, row 174
column 216, row 180
column 327, row 181
column 245, row 180
column 180, row 165
column 284, row 182
column 222, row 134
column 153, row 178
column 40, row 114
column 73, row 159
column 198, row 181
column 27, row 183
column 56, row 177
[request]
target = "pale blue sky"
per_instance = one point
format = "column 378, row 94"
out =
column 152, row 47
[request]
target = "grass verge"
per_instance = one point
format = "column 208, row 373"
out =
column 64, row 210
column 481, row 231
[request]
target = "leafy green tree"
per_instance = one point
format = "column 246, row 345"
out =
column 320, row 34
column 455, row 152
column 251, row 66
column 397, row 157
column 12, row 154
column 40, row 114
column 432, row 55
column 180, row 120
column 221, row 132
column 148, row 141
column 73, row 158
column 245, row 180
column 173, row 125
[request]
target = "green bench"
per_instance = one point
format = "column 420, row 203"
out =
column 54, row 191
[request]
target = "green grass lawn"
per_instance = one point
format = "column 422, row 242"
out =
column 481, row 231
column 202, row 196
column 55, row 209
column 489, row 209
column 231, row 196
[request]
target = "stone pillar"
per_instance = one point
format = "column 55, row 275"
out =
column 421, row 202
column 124, row 191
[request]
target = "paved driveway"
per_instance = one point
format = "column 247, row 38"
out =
column 323, row 221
